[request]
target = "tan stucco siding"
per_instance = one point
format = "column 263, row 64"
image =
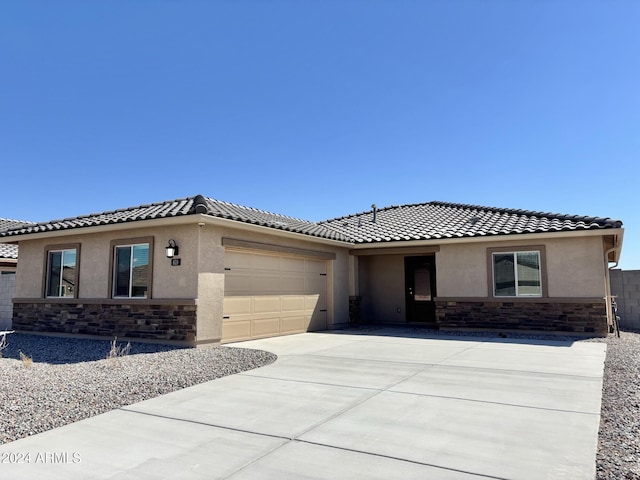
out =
column 461, row 270
column 29, row 272
column 575, row 267
column 95, row 253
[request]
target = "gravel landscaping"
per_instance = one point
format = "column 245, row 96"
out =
column 619, row 437
column 63, row 380
column 71, row 379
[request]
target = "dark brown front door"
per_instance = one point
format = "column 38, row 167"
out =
column 420, row 284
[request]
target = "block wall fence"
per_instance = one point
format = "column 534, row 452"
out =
column 625, row 284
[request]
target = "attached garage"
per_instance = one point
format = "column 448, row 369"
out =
column 270, row 293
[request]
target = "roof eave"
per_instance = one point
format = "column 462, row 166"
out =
column 107, row 227
column 600, row 232
column 193, row 219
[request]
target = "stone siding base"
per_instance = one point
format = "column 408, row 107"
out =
column 163, row 322
column 563, row 317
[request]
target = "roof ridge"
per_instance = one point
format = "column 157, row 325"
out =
column 530, row 213
column 388, row 207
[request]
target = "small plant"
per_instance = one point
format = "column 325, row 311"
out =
column 117, row 350
column 3, row 341
column 27, row 362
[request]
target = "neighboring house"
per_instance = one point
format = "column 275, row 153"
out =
column 8, row 266
column 8, row 252
column 239, row 273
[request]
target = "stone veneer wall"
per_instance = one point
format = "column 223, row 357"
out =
column 574, row 317
column 162, row 322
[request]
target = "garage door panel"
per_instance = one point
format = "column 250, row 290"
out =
column 237, row 260
column 265, row 304
column 237, row 330
column 265, row 262
column 292, row 265
column 292, row 303
column 265, row 284
column 315, row 266
column 311, row 302
column 237, row 285
column 293, row 284
column 237, row 305
column 295, row 324
column 315, row 283
column 266, row 327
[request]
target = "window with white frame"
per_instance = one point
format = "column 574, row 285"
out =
column 517, row 274
column 62, row 273
column 131, row 271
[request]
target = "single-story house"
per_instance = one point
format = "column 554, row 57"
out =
column 8, row 266
column 201, row 271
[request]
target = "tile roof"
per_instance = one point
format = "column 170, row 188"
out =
column 180, row 207
column 6, row 250
column 423, row 221
column 441, row 220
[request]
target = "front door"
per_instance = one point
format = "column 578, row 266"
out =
column 420, row 285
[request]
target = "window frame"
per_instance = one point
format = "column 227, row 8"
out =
column 130, row 242
column 542, row 256
column 76, row 278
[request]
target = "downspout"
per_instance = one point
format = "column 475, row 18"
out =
column 608, row 298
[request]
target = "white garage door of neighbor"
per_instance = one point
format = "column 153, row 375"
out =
column 270, row 295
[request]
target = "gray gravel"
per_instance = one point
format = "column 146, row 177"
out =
column 619, row 437
column 70, row 379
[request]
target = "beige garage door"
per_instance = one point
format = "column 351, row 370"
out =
column 268, row 295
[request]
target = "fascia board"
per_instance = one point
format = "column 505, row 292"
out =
column 111, row 227
column 494, row 238
column 197, row 219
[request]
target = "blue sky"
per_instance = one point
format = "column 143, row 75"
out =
column 317, row 109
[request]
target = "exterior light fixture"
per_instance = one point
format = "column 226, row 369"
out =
column 172, row 249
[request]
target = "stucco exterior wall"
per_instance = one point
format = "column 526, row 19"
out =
column 575, row 267
column 95, row 253
column 199, row 278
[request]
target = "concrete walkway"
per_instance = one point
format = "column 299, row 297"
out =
column 385, row 405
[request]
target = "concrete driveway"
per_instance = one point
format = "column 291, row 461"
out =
column 385, row 405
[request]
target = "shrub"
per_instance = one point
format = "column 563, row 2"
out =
column 118, row 351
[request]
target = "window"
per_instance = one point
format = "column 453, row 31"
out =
column 131, row 270
column 62, row 273
column 517, row 274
